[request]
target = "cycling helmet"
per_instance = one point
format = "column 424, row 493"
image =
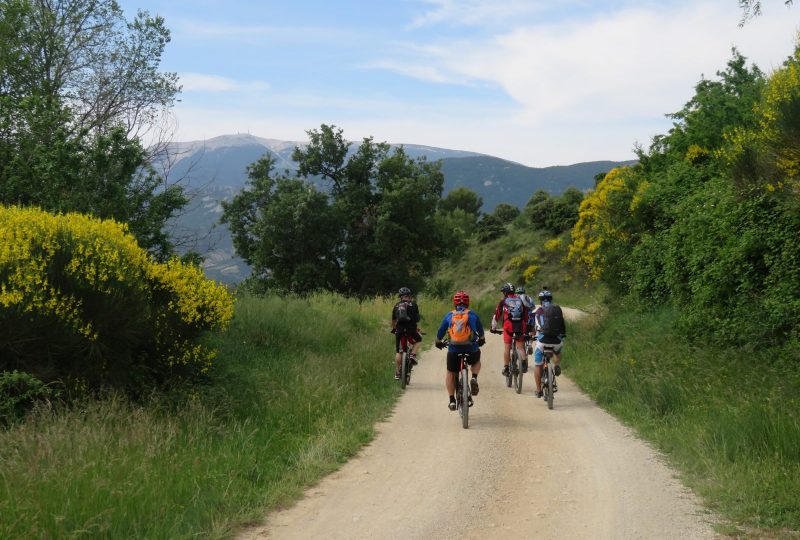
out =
column 404, row 291
column 546, row 296
column 507, row 288
column 461, row 298
column 520, row 289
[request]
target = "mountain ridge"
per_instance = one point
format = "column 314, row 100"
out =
column 215, row 170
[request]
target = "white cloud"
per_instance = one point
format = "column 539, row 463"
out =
column 200, row 82
column 617, row 65
column 477, row 12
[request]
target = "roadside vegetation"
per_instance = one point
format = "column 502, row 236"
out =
column 725, row 416
column 281, row 408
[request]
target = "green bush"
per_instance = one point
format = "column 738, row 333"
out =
column 18, row 393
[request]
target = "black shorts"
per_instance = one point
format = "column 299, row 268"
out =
column 453, row 363
column 413, row 337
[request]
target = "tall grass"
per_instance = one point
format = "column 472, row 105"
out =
column 729, row 419
column 299, row 385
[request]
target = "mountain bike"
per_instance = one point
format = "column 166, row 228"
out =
column 463, row 390
column 549, row 386
column 514, row 375
column 463, row 393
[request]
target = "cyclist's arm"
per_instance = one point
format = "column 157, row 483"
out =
column 443, row 327
column 477, row 325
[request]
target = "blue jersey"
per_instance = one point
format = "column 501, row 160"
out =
column 474, row 324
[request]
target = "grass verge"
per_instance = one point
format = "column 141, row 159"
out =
column 298, row 387
column 729, row 420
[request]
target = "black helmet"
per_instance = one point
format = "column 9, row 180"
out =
column 404, row 291
column 520, row 289
column 507, row 288
column 545, row 296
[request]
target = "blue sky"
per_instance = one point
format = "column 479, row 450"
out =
column 539, row 83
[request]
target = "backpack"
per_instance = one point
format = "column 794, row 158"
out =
column 402, row 314
column 460, row 331
column 553, row 325
column 514, row 308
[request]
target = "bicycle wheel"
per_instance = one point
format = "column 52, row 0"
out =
column 404, row 376
column 551, row 378
column 511, row 367
column 465, row 397
column 518, row 377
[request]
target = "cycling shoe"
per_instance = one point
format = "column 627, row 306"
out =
column 451, row 405
column 473, row 386
column 557, row 369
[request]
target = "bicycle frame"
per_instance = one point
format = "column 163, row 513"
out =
column 548, row 374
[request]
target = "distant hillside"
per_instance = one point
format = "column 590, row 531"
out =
column 500, row 181
column 215, row 171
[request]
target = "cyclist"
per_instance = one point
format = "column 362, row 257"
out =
column 529, row 336
column 546, row 299
column 513, row 315
column 465, row 332
column 405, row 316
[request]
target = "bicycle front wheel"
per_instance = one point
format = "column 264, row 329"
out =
column 551, row 379
column 465, row 398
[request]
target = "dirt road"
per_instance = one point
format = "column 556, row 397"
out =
column 519, row 471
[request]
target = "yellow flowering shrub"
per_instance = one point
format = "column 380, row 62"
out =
column 529, row 275
column 80, row 299
column 770, row 153
column 552, row 245
column 602, row 219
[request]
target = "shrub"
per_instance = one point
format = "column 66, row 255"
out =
column 18, row 392
column 80, row 300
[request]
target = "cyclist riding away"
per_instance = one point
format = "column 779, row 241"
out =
column 550, row 330
column 512, row 314
column 465, row 332
column 405, row 316
column 529, row 334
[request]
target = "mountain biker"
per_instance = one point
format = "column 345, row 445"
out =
column 405, row 316
column 530, row 303
column 472, row 341
column 545, row 299
column 504, row 317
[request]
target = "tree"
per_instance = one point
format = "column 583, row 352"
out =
column 505, row 212
column 86, row 55
column 462, row 198
column 376, row 228
column 78, row 85
column 752, row 8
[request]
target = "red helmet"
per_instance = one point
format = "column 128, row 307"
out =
column 461, row 298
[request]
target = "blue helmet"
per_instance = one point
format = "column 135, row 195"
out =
column 545, row 296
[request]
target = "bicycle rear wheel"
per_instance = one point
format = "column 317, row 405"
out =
column 511, row 367
column 464, row 398
column 518, row 376
column 551, row 378
column 404, row 375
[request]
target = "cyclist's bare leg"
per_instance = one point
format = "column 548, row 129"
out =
column 506, row 354
column 415, row 347
column 476, row 368
column 397, row 359
column 450, row 382
column 523, row 355
column 537, row 377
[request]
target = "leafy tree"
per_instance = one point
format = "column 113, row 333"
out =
column 376, row 228
column 490, row 227
column 464, row 199
column 505, row 212
column 554, row 214
column 77, row 84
